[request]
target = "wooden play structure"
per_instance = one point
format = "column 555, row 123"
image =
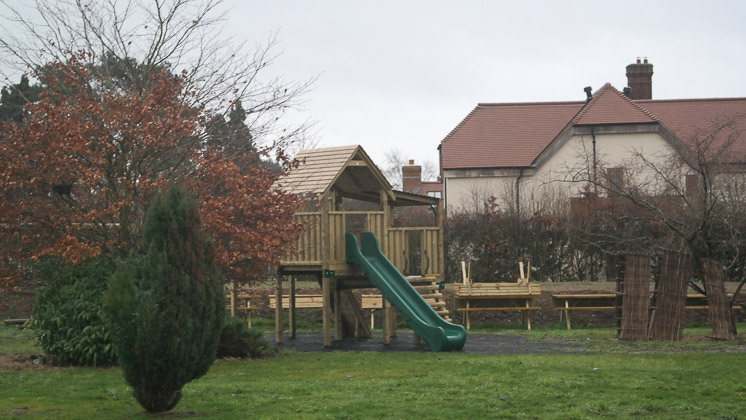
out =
column 346, row 192
column 518, row 296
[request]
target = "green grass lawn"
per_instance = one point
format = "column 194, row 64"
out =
column 335, row 385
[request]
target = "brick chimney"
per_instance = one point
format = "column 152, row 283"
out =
column 411, row 177
column 640, row 79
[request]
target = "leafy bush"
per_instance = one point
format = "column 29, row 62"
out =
column 238, row 340
column 68, row 315
column 167, row 306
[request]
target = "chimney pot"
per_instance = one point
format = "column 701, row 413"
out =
column 646, row 60
column 411, row 161
column 638, row 60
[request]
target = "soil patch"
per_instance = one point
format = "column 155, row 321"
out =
column 404, row 342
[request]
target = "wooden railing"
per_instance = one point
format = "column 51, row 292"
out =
column 338, row 225
column 405, row 258
column 307, row 250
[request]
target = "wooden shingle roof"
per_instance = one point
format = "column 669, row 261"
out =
column 349, row 168
column 317, row 170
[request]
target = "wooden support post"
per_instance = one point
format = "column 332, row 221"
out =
column 372, row 319
column 248, row 312
column 567, row 313
column 417, row 340
column 291, row 315
column 278, row 309
column 386, row 322
column 392, row 318
column 337, row 310
column 466, row 315
column 440, row 221
column 327, row 309
column 528, row 313
column 234, row 299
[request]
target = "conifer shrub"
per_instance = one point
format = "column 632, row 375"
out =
column 166, row 307
column 68, row 317
column 238, row 340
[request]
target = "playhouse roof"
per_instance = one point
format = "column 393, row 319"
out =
column 350, row 170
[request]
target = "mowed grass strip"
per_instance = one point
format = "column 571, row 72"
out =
column 338, row 385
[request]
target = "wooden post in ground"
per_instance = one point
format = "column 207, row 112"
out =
column 392, row 319
column 248, row 312
column 291, row 315
column 233, row 299
column 327, row 309
column 336, row 295
column 466, row 315
column 386, row 322
column 278, row 309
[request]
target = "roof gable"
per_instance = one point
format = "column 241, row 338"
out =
column 347, row 167
column 609, row 106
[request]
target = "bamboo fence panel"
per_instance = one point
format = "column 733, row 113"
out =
column 636, row 297
column 666, row 319
column 721, row 318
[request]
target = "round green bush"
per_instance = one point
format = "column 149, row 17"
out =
column 68, row 316
column 238, row 340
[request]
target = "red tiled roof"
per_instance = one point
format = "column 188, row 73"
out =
column 505, row 135
column 609, row 106
column 514, row 134
column 691, row 119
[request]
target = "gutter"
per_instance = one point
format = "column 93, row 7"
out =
column 595, row 164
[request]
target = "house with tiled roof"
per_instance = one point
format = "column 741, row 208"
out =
column 522, row 155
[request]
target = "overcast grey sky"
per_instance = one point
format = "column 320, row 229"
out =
column 402, row 74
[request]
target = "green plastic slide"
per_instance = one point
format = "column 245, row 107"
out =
column 437, row 333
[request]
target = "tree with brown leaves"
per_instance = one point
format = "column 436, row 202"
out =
column 77, row 176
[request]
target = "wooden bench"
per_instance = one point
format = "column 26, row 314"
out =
column 606, row 302
column 583, row 302
column 496, row 297
column 472, row 297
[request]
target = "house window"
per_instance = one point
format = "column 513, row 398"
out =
column 616, row 180
column 435, row 194
column 692, row 185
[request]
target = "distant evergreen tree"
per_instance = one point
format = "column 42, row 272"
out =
column 167, row 306
column 13, row 98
